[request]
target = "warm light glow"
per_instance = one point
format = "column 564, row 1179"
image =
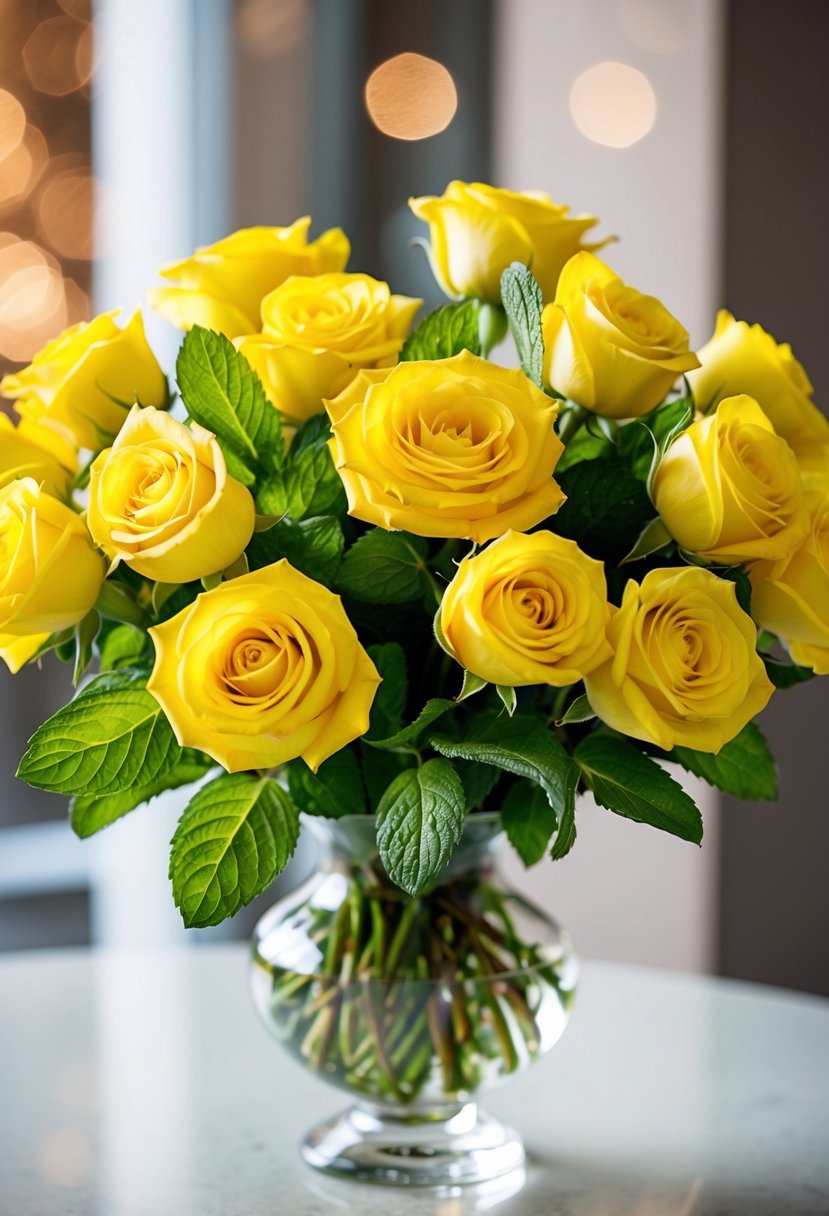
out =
column 64, row 208
column 613, row 104
column 411, row 97
column 32, row 298
column 51, row 56
column 267, row 28
column 64, row 1156
column 20, row 171
column 658, row 26
column 12, row 123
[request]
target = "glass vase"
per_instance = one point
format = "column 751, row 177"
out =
column 413, row 1006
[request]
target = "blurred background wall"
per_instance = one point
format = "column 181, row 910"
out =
column 130, row 133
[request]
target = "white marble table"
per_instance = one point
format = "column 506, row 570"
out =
column 144, row 1085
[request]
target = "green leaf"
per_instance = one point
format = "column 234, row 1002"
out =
column 645, row 440
column 379, row 769
column 384, row 567
column 121, row 646
column 314, row 546
column 566, row 834
column 786, row 675
column 430, row 713
column 111, row 737
column 742, row 584
column 625, row 781
column 314, row 433
column 520, row 746
column 234, row 838
column 744, row 768
column 390, row 698
column 606, row 509
column 419, row 822
column 471, row 683
column 653, row 537
column 529, row 820
column 444, row 333
column 477, row 780
column 86, row 631
column 508, row 697
column 335, row 789
column 521, row 296
column 579, row 710
column 310, row 485
column 89, row 814
column 223, row 393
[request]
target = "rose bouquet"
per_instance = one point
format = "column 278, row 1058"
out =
column 374, row 573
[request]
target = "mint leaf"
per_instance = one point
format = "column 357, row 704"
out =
column 223, row 393
column 520, row 746
column 566, row 834
column 444, row 333
column 744, row 768
column 335, row 789
column 419, row 822
column 606, row 508
column 384, row 567
column 314, row 433
column 625, row 781
column 88, row 814
column 430, row 713
column 390, row 698
column 314, row 546
column 529, row 820
column 234, row 838
column 521, row 297
column 310, row 485
column 111, row 737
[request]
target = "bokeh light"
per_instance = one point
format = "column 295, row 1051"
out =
column 32, row 298
column 64, row 207
column 267, row 28
column 411, row 97
column 12, row 123
column 64, row 1156
column 51, row 56
column 613, row 104
column 21, row 170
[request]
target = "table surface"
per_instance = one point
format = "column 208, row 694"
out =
column 142, row 1084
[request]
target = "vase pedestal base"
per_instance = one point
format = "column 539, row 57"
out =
column 466, row 1146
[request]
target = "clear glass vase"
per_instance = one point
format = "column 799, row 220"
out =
column 413, row 1006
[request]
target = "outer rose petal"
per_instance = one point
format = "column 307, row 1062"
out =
column 283, row 720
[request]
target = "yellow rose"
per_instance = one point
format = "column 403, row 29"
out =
column 607, row 347
column 450, row 447
column 729, row 488
column 262, row 669
column 318, row 331
column 222, row 286
column 26, row 451
column 527, row 610
column 742, row 358
column 83, row 382
column 161, row 500
column 50, row 574
column 791, row 597
column 685, row 670
column 476, row 231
